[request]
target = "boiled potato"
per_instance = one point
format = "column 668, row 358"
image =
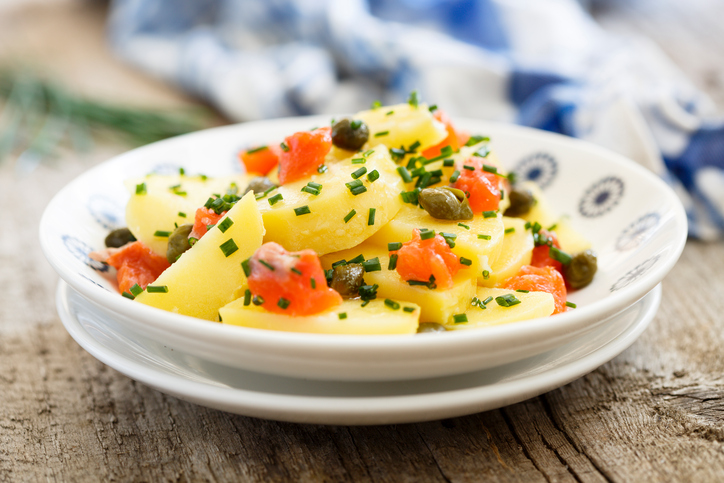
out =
column 517, row 251
column 324, row 228
column 404, row 125
column 166, row 198
column 571, row 240
column 436, row 305
column 480, row 251
column 205, row 277
column 375, row 318
column 531, row 306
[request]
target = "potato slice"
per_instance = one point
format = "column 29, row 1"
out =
column 483, row 253
column 167, row 196
column 204, row 278
column 324, row 228
column 436, row 305
column 517, row 251
column 532, row 305
column 570, row 239
column 404, row 125
column 376, row 318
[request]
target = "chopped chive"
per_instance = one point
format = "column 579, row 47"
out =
column 310, row 190
column 536, row 227
column 484, row 237
column 444, row 153
column 246, row 266
column 283, row 303
column 392, row 246
column 523, row 291
column 175, row 225
column 266, row 264
column 373, row 176
column 571, row 305
column 487, row 300
column 507, row 300
column 413, row 147
column 510, row 230
column 275, row 199
column 228, row 247
column 141, row 189
column 469, row 168
column 408, row 309
column 256, row 150
column 413, row 100
column 192, row 241
column 527, row 225
column 136, row 290
column 181, row 171
column 392, row 304
column 490, row 169
column 359, row 160
column 364, row 303
column 356, row 174
column 368, row 152
column 372, row 265
column 502, row 195
column 371, row 217
column 162, row 234
column 209, row 227
column 486, row 274
column 339, row 262
column 296, row 270
column 483, row 153
column 203, row 177
column 247, row 297
column 490, row 214
column 302, row 210
column 312, row 282
column 257, row 300
column 389, row 113
column 552, row 227
column 382, row 133
column 455, row 176
column 448, row 163
column 560, row 255
column 353, row 184
column 342, row 315
column 322, row 168
column 476, row 140
column 358, row 259
column 427, row 234
column 182, row 214
column 404, row 174
column 448, row 235
column 355, row 124
column 284, row 147
column 349, row 216
column 157, row 289
column 465, row 261
column 225, row 224
column 174, row 187
column 128, row 295
column 358, row 190
column 432, row 108
column 460, row 318
column 464, row 226
column 393, row 262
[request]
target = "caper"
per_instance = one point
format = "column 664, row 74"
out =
column 521, row 201
column 118, row 238
column 178, row 242
column 580, row 271
column 347, row 279
column 259, row 185
column 428, row 327
column 446, row 203
column 350, row 134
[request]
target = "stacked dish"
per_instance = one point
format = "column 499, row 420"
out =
column 635, row 222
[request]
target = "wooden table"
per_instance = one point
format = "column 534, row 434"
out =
column 654, row 413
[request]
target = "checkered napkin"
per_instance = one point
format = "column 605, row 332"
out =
column 544, row 64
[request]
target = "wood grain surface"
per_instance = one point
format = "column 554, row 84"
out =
column 655, row 413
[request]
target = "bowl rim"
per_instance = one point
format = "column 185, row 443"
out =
column 262, row 339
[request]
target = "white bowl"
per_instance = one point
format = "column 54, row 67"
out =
column 635, row 221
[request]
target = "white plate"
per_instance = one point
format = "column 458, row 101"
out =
column 636, row 223
column 327, row 402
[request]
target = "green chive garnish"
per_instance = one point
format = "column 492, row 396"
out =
column 469, row 168
column 392, row 246
column 182, row 214
column 247, row 297
column 373, row 176
column 490, row 169
column 356, row 174
column 464, row 226
column 302, row 210
column 136, row 290
column 312, row 282
column 358, row 259
column 376, row 104
column 465, row 261
column 157, row 289
column 342, row 315
column 228, row 247
column 246, row 266
column 382, row 133
column 349, row 216
column 284, row 147
column 257, row 300
column 449, row 163
column 162, row 234
column 225, row 224
column 389, row 113
column 490, row 214
column 256, row 150
column 275, row 199
column 409, row 309
column 283, row 303
column 412, row 100
column 427, row 234
column 460, row 318
column 502, row 195
column 455, row 176
column 507, row 300
column 486, row 274
column 359, row 160
column 404, row 174
column 128, row 295
column 141, row 189
column 296, row 270
column 484, row 237
column 322, row 169
column 393, row 262
column 510, row 230
column 487, row 300
column 571, row 305
column 372, row 265
column 266, row 264
column 358, row 190
column 523, row 291
column 560, row 255
column 392, row 304
column 371, row 217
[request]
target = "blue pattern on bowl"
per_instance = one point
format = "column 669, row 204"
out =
column 539, row 167
column 601, row 197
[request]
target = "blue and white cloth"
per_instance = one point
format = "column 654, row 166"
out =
column 544, row 64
